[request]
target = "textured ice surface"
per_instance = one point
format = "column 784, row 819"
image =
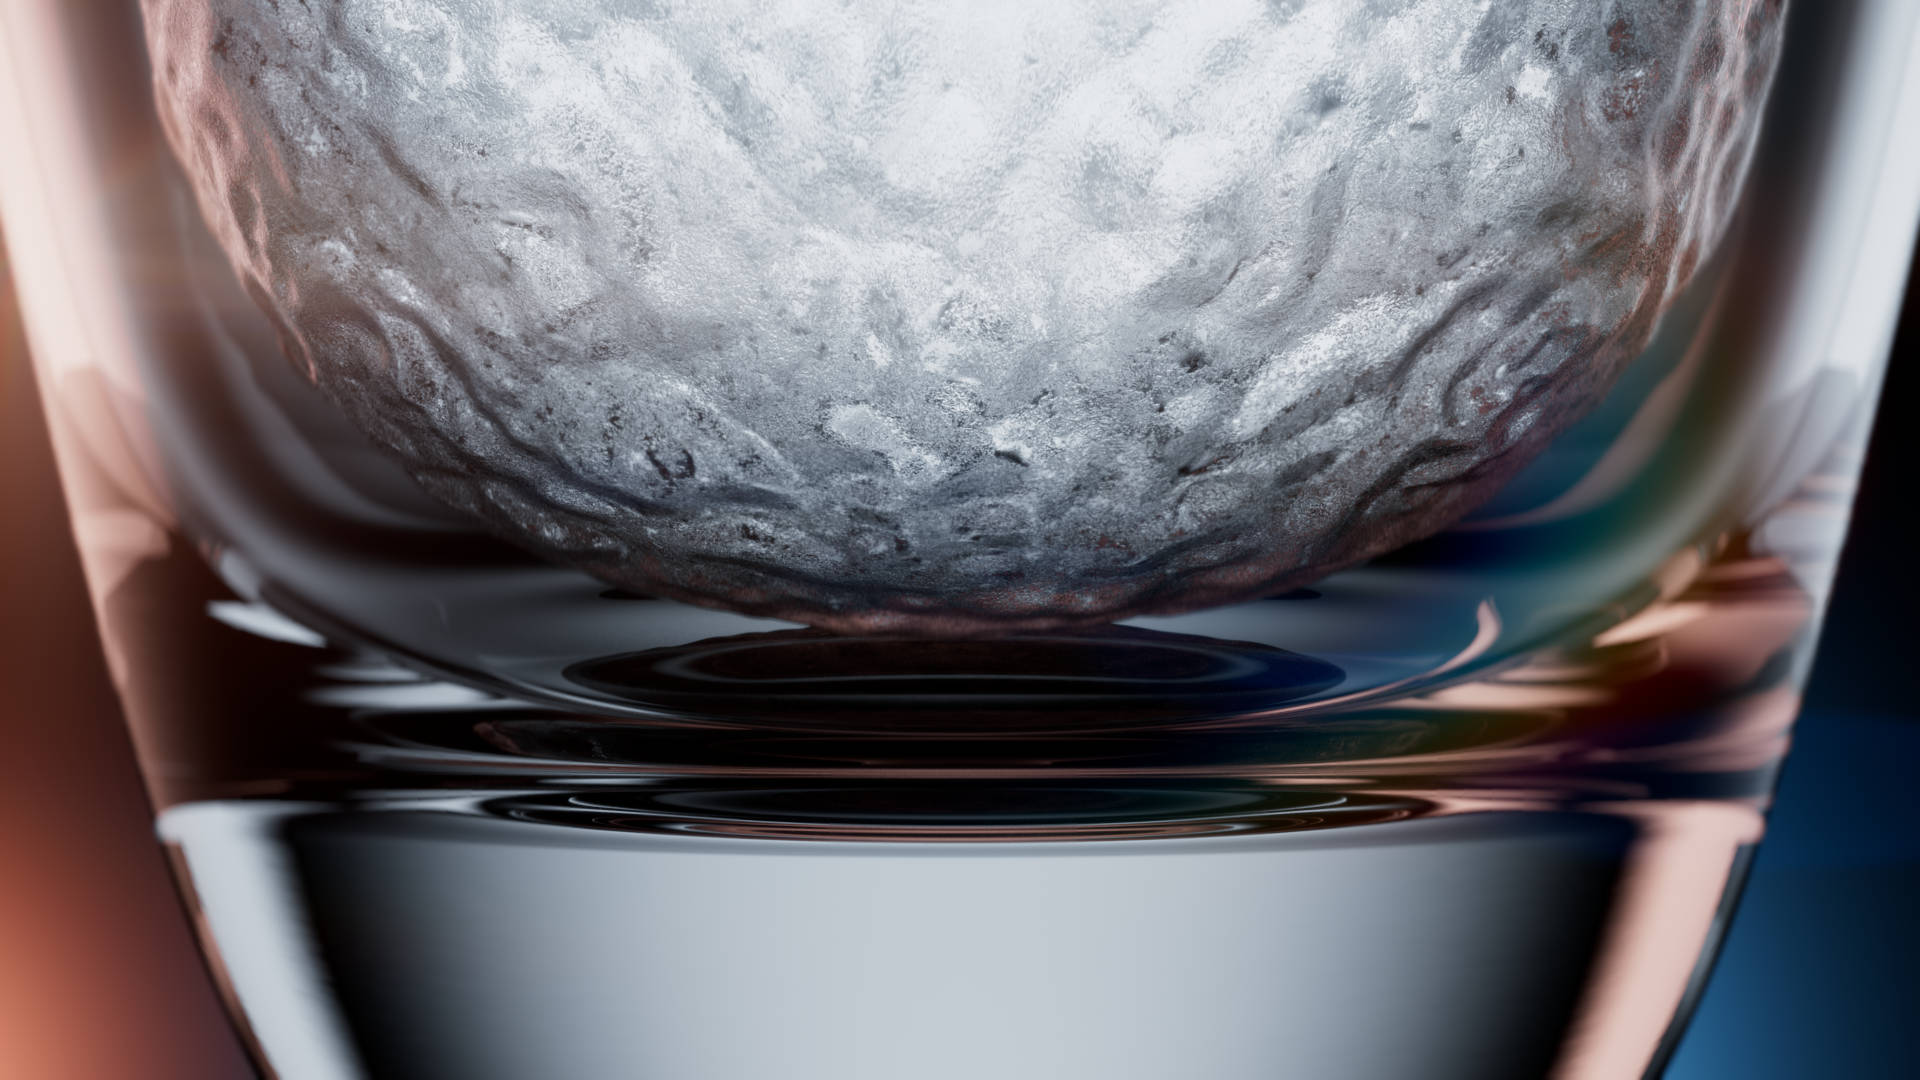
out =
column 917, row 313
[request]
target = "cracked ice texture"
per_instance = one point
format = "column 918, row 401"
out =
column 945, row 316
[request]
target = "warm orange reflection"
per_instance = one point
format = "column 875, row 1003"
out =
column 99, row 979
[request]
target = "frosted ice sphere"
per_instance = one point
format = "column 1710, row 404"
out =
column 948, row 316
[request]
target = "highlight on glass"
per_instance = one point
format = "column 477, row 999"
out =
column 894, row 540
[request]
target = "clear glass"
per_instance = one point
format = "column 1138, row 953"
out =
column 1477, row 807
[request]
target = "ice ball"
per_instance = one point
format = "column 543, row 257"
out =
column 924, row 316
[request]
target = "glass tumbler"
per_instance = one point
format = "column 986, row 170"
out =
column 892, row 540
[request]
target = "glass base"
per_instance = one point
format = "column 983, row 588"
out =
column 1479, row 946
